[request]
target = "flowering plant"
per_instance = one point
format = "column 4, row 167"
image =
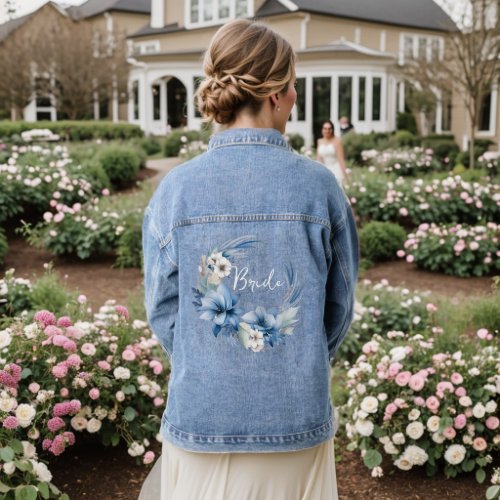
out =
column 14, row 294
column 458, row 250
column 421, row 406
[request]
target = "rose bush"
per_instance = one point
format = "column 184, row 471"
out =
column 419, row 405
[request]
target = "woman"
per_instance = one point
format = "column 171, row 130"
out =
column 331, row 152
column 250, row 264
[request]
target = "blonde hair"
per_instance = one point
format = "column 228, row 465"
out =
column 245, row 63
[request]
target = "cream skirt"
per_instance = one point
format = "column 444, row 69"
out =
column 299, row 475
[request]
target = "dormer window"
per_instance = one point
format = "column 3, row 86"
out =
column 210, row 12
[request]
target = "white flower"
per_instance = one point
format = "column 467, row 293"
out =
column 415, row 430
column 7, row 404
column 377, row 472
column 94, row 425
column 479, row 410
column 474, row 372
column 414, row 414
column 384, row 439
column 34, row 433
column 465, row 401
column 403, row 463
column 369, row 404
column 136, row 449
column 255, row 340
column 455, row 454
column 25, row 414
column 390, row 449
column 467, row 440
column 397, row 353
column 438, row 438
column 79, row 423
column 41, row 471
column 382, row 396
column 29, row 450
column 5, row 338
column 490, row 407
column 9, row 468
column 416, row 455
column 121, row 372
column 399, row 438
column 361, row 389
column 433, row 423
column 364, row 427
column 221, row 265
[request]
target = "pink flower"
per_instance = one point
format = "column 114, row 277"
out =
column 64, row 392
column 88, row 349
column 46, row 444
column 82, row 299
column 460, row 392
column 61, row 409
column 400, row 253
column 59, row 340
column 55, row 423
column 104, row 365
column 74, row 360
column 432, row 403
column 148, row 458
column 44, row 317
column 460, row 421
column 393, row 368
column 69, row 437
column 74, row 406
column 416, row 383
column 69, row 346
column 492, row 423
column 403, row 211
column 73, row 332
column 51, row 330
column 10, row 422
column 122, row 311
column 94, row 393
column 105, row 192
column 64, row 321
column 158, row 401
column 431, row 308
column 156, row 366
column 482, row 333
column 479, row 444
column 419, row 401
column 449, row 433
column 60, row 370
column 58, row 445
column 456, row 378
column 128, row 355
column 34, row 387
column 402, row 378
column 410, row 259
column 442, row 387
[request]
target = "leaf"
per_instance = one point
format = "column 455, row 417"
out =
column 26, row 373
column 7, row 454
column 129, row 414
column 469, row 465
column 4, row 488
column 372, row 459
column 492, row 492
column 287, row 317
column 24, row 465
column 43, row 488
column 243, row 334
column 26, row 493
column 64, row 497
column 129, row 389
column 16, row 445
column 115, row 439
column 480, row 476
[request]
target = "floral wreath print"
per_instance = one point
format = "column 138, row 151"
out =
column 218, row 303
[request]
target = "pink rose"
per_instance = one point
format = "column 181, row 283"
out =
column 419, row 401
column 400, row 253
column 410, row 259
column 394, row 369
column 402, row 378
column 449, row 433
column 10, row 422
column 104, row 365
column 122, row 311
column 460, row 392
column 59, row 370
column 34, row 387
column 94, row 393
column 432, row 403
column 479, row 444
column 492, row 423
column 64, row 392
column 46, row 318
column 456, row 378
column 64, row 321
column 482, row 333
column 55, row 423
column 431, row 308
column 460, row 421
column 158, row 401
column 416, row 383
column 128, row 355
column 148, row 458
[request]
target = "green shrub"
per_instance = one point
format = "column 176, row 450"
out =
column 4, row 247
column 354, row 144
column 380, row 241
column 129, row 249
column 296, row 141
column 75, row 130
column 120, row 163
column 486, row 312
column 49, row 293
column 405, row 138
column 406, row 121
column 151, row 145
column 443, row 147
column 94, row 172
column 176, row 139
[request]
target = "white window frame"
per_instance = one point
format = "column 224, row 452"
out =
column 141, row 48
column 493, row 114
column 216, row 19
column 415, row 40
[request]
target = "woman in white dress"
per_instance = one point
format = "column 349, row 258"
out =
column 331, row 152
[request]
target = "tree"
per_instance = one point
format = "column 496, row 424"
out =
column 10, row 8
column 469, row 64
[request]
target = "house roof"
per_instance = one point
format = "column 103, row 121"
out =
column 346, row 46
column 424, row 14
column 95, row 7
column 148, row 30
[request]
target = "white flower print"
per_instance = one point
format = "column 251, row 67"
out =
column 255, row 340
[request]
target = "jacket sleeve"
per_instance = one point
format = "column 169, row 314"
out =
column 341, row 282
column 161, row 285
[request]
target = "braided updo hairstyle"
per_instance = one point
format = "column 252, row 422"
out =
column 245, row 63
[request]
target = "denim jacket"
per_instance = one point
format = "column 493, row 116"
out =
column 250, row 263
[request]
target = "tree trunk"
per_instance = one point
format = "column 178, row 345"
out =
column 13, row 113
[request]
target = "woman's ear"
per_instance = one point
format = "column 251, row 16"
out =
column 275, row 100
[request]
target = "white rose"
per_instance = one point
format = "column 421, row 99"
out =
column 34, row 434
column 403, row 463
column 31, row 331
column 467, row 440
column 120, row 396
column 397, row 353
column 465, row 401
column 364, row 427
column 9, row 468
column 415, row 430
column 94, row 425
column 28, row 449
column 433, row 423
column 361, row 388
column 42, row 472
column 121, row 372
column 78, row 423
column 414, row 414
column 7, row 404
column 390, row 449
column 136, row 449
column 455, row 454
column 399, row 438
column 382, row 396
column 479, row 410
column 438, row 438
column 369, row 404
column 25, row 414
column 416, row 455
column 5, row 338
column 377, row 472
column 490, row 407
column 474, row 372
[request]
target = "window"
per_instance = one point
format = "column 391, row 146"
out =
column 420, row 47
column 156, row 101
column 301, row 99
column 216, row 11
column 408, row 47
column 322, row 92
column 345, row 96
column 361, row 98
column 435, row 50
column 484, row 121
column 135, row 99
column 446, row 112
column 196, row 83
column 377, row 98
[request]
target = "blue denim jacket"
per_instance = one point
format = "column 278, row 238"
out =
column 250, row 262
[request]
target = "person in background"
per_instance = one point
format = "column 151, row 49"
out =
column 330, row 152
column 345, row 126
column 250, row 267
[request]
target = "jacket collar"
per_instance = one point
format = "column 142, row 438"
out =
column 238, row 136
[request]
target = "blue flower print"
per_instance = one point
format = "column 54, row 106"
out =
column 219, row 306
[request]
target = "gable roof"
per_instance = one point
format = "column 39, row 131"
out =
column 343, row 45
column 424, row 14
column 95, row 7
